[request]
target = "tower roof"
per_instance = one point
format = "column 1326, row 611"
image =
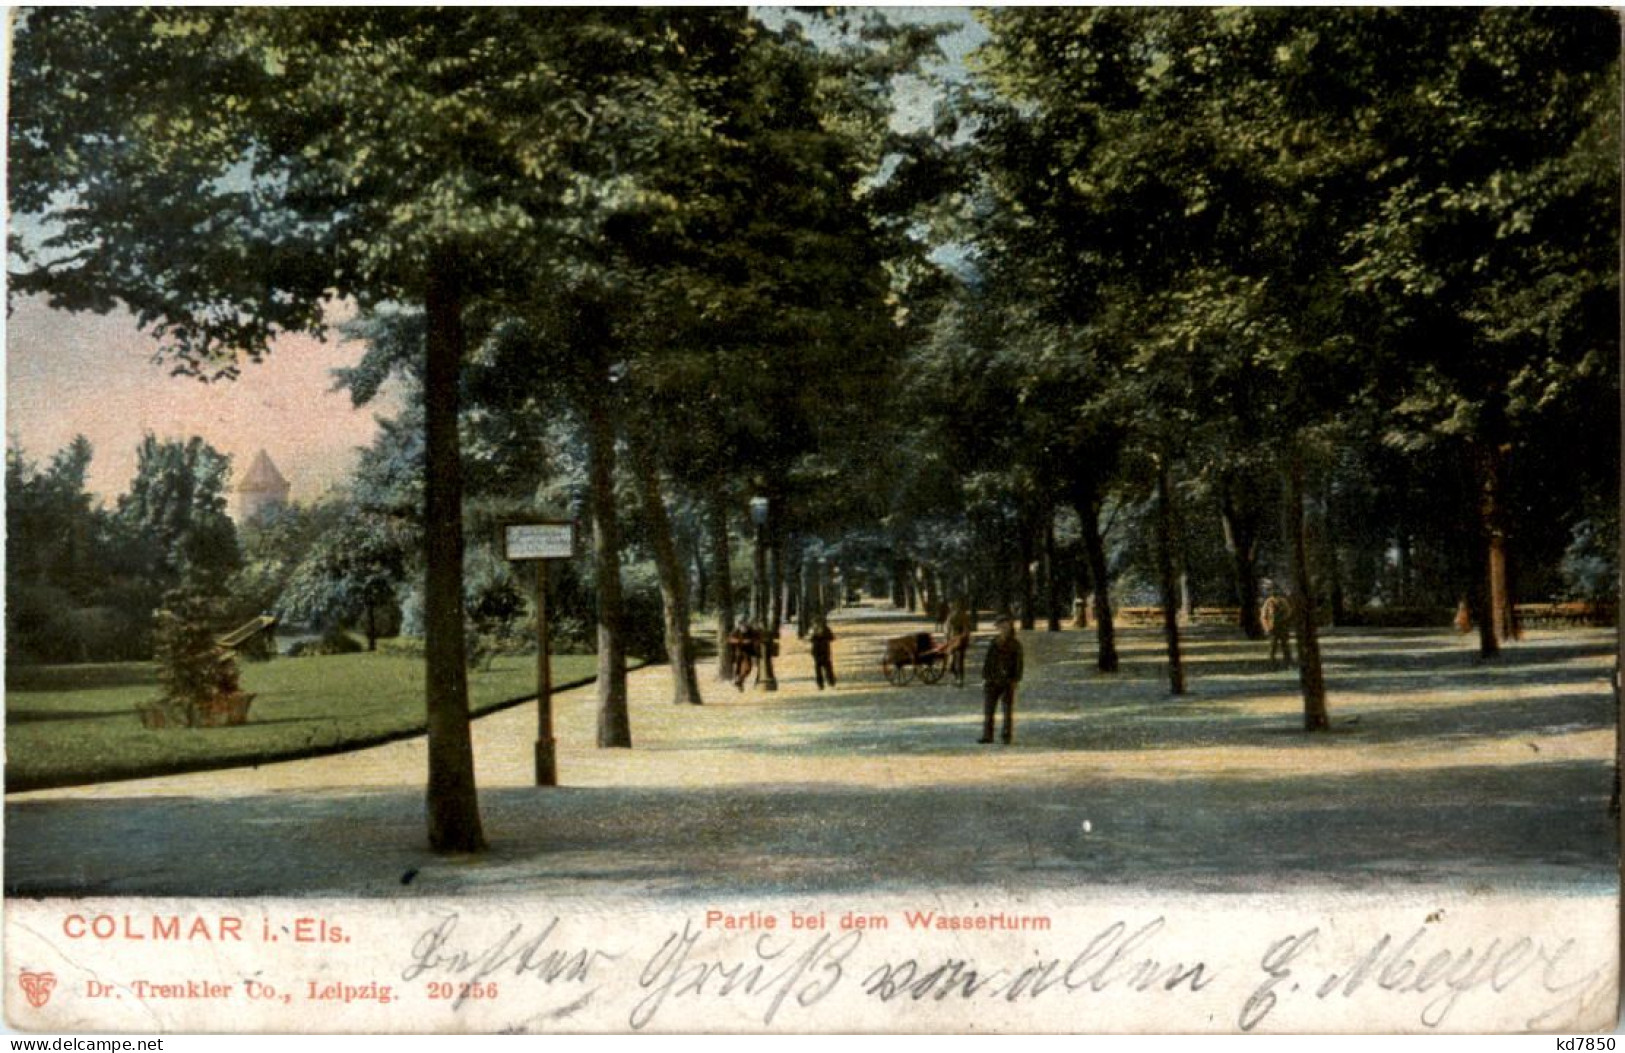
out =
column 262, row 477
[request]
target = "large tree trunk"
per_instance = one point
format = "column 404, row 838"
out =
column 1003, row 581
column 776, row 614
column 685, row 687
column 614, row 721
column 454, row 815
column 806, row 594
column 1170, row 582
column 764, row 618
column 1511, row 629
column 1029, row 586
column 721, row 575
column 1401, row 594
column 1087, row 505
column 1310, row 676
column 758, row 583
column 928, row 591
column 1241, row 541
column 1491, row 601
column 690, row 543
column 1334, row 563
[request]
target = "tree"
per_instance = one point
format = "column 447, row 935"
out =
column 1492, row 254
column 227, row 173
column 274, row 544
column 50, row 523
column 77, row 587
column 198, row 676
column 350, row 573
column 177, row 503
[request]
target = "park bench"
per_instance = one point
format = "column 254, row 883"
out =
column 1573, row 614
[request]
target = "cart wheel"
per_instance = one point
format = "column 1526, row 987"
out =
column 898, row 674
column 932, row 672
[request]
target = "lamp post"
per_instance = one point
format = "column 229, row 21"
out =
column 764, row 603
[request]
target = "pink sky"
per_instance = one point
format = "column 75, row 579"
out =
column 88, row 374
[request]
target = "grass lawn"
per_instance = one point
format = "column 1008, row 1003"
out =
column 77, row 724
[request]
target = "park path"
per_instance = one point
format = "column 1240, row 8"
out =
column 503, row 741
column 756, row 737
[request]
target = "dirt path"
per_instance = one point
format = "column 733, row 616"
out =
column 1438, row 769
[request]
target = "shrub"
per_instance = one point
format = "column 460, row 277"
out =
column 408, row 646
column 197, row 676
column 644, row 627
column 332, row 641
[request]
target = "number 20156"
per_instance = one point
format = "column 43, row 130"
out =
column 468, row 992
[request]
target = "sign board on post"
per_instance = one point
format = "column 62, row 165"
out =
column 538, row 542
column 549, row 540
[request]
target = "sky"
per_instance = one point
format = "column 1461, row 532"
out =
column 72, row 374
column 69, row 374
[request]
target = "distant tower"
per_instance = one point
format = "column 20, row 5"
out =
column 262, row 490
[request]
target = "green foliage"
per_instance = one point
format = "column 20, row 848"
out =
column 197, row 677
column 274, row 544
column 81, row 581
column 494, row 608
column 1590, row 564
column 333, row 640
column 1252, row 232
column 354, row 568
column 177, row 504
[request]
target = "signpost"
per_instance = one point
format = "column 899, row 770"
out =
column 537, row 542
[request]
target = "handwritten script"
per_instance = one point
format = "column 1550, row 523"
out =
column 515, row 953
column 1425, row 968
column 1289, row 980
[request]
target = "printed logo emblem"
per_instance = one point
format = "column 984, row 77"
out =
column 38, row 986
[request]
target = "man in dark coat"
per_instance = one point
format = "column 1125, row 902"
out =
column 1001, row 672
column 823, row 658
column 1277, row 618
column 958, row 642
column 745, row 641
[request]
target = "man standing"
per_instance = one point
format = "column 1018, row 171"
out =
column 958, row 642
column 1277, row 618
column 745, row 641
column 1001, row 672
column 823, row 658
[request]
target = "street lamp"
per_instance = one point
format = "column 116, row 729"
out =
column 769, row 633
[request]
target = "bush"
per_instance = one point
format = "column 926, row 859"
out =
column 1590, row 566
column 333, row 641
column 1398, row 617
column 197, row 676
column 644, row 624
column 35, row 633
column 45, row 626
column 405, row 646
column 571, row 635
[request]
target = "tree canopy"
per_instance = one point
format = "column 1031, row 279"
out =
column 1160, row 306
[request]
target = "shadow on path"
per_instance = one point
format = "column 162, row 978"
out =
column 1537, row 827
column 1438, row 770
